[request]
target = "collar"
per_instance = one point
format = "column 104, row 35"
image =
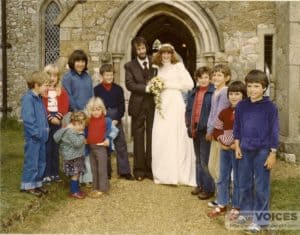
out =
column 107, row 86
column 142, row 61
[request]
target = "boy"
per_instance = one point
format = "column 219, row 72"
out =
column 228, row 162
column 256, row 134
column 197, row 112
column 36, row 131
column 221, row 77
column 113, row 97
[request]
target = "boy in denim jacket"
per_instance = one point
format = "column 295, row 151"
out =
column 36, row 131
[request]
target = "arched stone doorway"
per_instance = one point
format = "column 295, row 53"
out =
column 136, row 17
column 133, row 16
column 168, row 29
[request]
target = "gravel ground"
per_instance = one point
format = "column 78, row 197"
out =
column 133, row 207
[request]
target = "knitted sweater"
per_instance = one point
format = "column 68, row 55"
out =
column 71, row 143
column 256, row 124
column 113, row 99
column 224, row 127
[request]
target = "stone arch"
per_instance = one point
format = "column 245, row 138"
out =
column 199, row 21
column 133, row 15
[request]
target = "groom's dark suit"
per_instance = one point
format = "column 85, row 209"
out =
column 141, row 109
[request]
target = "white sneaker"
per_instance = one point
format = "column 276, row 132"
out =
column 212, row 204
column 253, row 228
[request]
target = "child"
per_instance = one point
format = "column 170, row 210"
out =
column 221, row 77
column 78, row 83
column 36, row 131
column 256, row 134
column 197, row 112
column 71, row 142
column 223, row 134
column 113, row 97
column 56, row 102
column 99, row 128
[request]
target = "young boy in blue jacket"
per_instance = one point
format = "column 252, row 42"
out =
column 197, row 113
column 36, row 131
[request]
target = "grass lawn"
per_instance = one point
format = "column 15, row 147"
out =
column 15, row 206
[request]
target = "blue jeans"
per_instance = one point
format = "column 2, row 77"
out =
column 34, row 164
column 254, row 182
column 228, row 162
column 203, row 177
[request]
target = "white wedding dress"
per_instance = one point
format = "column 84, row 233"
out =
column 173, row 158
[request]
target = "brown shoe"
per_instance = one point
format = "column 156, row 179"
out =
column 204, row 195
column 196, row 191
column 76, row 195
column 216, row 212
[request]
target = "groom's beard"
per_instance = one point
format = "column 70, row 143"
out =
column 142, row 56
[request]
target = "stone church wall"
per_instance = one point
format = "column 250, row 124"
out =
column 87, row 25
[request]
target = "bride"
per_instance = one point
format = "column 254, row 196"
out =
column 173, row 159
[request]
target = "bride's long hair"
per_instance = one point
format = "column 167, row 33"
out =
column 157, row 59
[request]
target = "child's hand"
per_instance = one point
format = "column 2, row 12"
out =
column 224, row 147
column 238, row 153
column 270, row 162
column 70, row 125
column 208, row 137
column 115, row 122
column 232, row 146
column 106, row 142
column 55, row 121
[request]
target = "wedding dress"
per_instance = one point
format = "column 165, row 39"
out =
column 173, row 157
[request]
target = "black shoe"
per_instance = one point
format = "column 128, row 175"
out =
column 204, row 195
column 127, row 176
column 196, row 191
column 34, row 192
column 42, row 190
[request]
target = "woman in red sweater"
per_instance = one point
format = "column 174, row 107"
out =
column 98, row 129
column 56, row 101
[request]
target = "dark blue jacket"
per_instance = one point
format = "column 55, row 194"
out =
column 113, row 99
column 205, row 110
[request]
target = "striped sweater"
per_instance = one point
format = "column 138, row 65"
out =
column 223, row 131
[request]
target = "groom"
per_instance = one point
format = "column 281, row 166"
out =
column 141, row 106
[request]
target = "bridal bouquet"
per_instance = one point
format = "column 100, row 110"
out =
column 156, row 87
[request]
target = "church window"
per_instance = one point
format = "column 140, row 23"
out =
column 51, row 52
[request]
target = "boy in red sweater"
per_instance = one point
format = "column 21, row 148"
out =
column 224, row 135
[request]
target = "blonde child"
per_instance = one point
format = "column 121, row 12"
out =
column 221, row 77
column 98, row 139
column 56, row 101
column 71, row 142
column 36, row 131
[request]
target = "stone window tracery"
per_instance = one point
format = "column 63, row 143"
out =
column 52, row 37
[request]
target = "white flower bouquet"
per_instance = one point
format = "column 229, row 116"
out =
column 156, row 87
